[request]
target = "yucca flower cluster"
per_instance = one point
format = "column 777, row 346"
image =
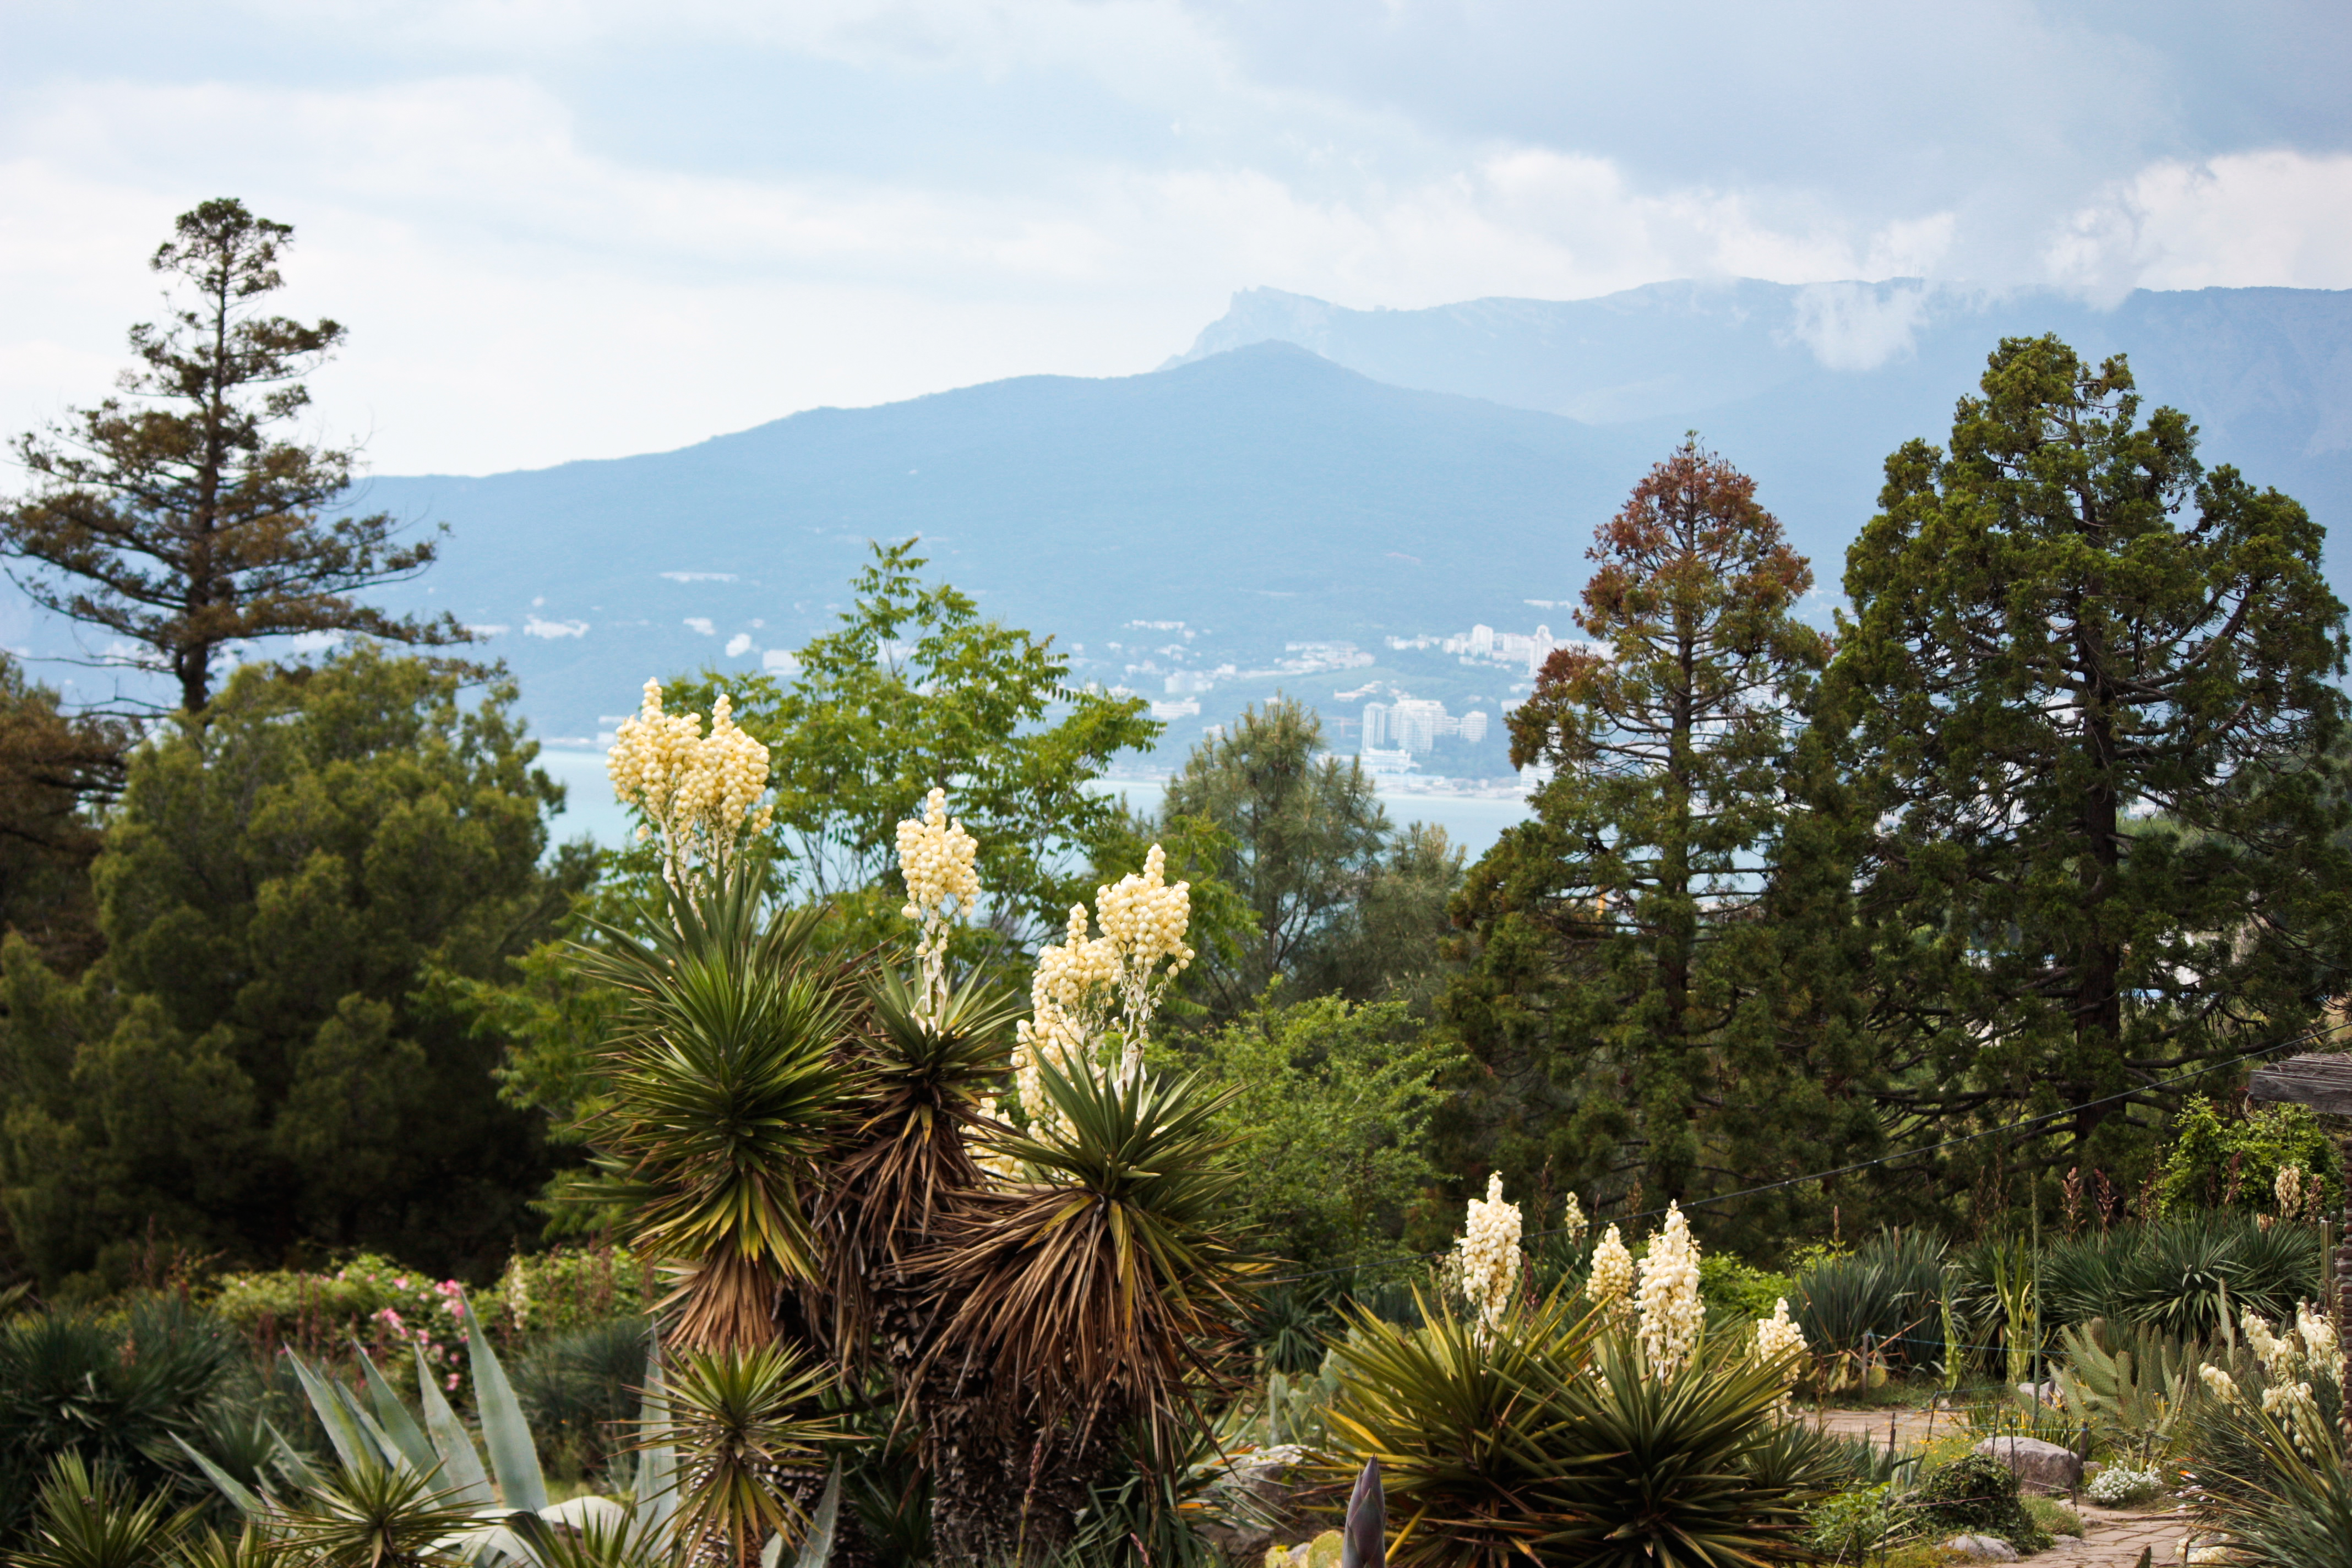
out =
column 1573, row 1220
column 940, row 861
column 2300, row 1194
column 1090, row 986
column 2289, row 1360
column 1673, row 1317
column 1487, row 1260
column 1610, row 1285
column 699, row 794
column 1779, row 1341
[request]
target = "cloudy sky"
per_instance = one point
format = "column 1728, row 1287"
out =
column 562, row 228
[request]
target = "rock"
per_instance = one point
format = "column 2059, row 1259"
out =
column 2039, row 1466
column 1982, row 1549
column 1252, row 1506
column 2039, row 1393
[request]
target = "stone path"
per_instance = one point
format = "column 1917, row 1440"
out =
column 2112, row 1538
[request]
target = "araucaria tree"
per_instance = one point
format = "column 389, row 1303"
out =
column 2089, row 691
column 179, row 521
column 1617, row 955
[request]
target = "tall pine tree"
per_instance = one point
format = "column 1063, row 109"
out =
column 1619, row 958
column 2088, row 689
column 178, row 520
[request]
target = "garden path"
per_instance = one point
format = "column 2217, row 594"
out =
column 2112, row 1538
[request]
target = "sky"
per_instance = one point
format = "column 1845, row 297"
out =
column 574, row 228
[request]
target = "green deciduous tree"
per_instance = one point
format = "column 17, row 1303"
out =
column 55, row 772
column 254, row 1067
column 1624, row 978
column 2089, row 690
column 1330, row 1117
column 1337, row 901
column 916, row 692
column 180, row 521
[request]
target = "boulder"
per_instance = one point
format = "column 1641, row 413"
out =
column 1982, row 1549
column 1252, row 1506
column 2039, row 1466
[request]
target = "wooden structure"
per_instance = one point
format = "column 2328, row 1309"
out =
column 2324, row 1083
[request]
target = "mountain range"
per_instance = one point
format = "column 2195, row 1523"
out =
column 1307, row 484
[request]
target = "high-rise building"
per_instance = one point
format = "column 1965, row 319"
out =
column 1413, row 723
column 1473, row 726
column 1376, row 726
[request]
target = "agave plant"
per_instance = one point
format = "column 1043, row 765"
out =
column 728, row 1088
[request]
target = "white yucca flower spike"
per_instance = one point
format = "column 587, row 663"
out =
column 699, row 794
column 2318, row 1335
column 1573, row 1220
column 1612, row 1284
column 1779, row 1341
column 1671, row 1316
column 940, row 862
column 1089, row 987
column 2218, row 1382
column 1487, row 1254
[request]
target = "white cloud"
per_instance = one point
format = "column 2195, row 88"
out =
column 699, row 576
column 779, row 662
column 536, row 628
column 1850, row 326
column 701, row 624
column 739, row 645
column 490, row 629
column 2278, row 218
column 982, row 188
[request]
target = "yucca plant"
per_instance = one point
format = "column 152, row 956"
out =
column 924, row 1070
column 93, row 1519
column 739, row 1425
column 1543, row 1439
column 1697, row 1470
column 1103, row 1291
column 728, row 1086
column 2286, row 1502
column 1461, row 1423
column 114, row 1393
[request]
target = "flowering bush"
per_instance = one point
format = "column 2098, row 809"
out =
column 370, row 1299
column 2120, row 1486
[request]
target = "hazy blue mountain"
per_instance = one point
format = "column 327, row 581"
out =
column 1808, row 388
column 1416, row 473
column 1262, row 497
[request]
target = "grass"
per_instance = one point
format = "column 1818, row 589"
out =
column 2051, row 1516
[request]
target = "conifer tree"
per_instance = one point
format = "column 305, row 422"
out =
column 2089, row 691
column 1617, row 946
column 178, row 520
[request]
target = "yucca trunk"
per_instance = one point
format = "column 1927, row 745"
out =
column 1004, row 1494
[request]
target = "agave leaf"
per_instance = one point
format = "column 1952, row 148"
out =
column 514, row 1459
column 230, row 1487
column 290, row 1459
column 399, row 1427
column 353, row 1445
column 657, row 1478
column 817, row 1544
column 459, row 1464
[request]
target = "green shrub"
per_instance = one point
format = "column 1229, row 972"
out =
column 2051, row 1517
column 2234, row 1161
column 569, row 1288
column 1858, row 1525
column 580, row 1388
column 1976, row 1494
column 1733, row 1289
